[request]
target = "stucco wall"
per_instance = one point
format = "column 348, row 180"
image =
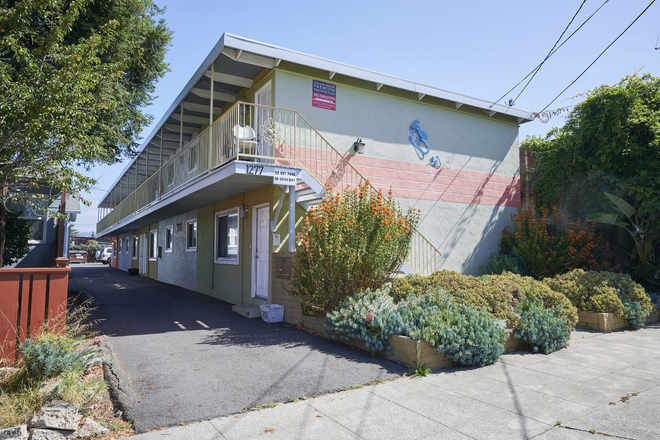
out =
column 178, row 267
column 229, row 282
column 466, row 204
column 41, row 254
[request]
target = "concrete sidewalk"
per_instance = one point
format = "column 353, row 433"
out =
column 601, row 386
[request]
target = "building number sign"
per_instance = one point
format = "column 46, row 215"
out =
column 417, row 138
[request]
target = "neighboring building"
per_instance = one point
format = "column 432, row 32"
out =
column 84, row 241
column 49, row 238
column 205, row 204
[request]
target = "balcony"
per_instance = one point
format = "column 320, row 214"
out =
column 247, row 143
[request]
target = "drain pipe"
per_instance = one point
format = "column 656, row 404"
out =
column 292, row 218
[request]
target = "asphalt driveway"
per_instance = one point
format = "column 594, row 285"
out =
column 181, row 356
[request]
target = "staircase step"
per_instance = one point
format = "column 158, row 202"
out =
column 247, row 311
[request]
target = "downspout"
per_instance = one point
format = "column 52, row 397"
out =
column 67, row 233
column 292, row 218
column 250, row 253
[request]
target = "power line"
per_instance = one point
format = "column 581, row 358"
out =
column 555, row 51
column 601, row 54
column 644, row 92
column 549, row 53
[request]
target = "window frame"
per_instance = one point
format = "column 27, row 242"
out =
column 44, row 228
column 134, row 253
column 216, row 227
column 169, row 245
column 191, row 248
column 153, row 245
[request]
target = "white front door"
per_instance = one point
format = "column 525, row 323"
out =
column 263, row 97
column 261, row 251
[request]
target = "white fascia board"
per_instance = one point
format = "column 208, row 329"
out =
column 241, row 44
column 268, row 50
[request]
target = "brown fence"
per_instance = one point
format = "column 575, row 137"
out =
column 527, row 165
column 31, row 299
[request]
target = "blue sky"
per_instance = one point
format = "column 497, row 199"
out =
column 479, row 48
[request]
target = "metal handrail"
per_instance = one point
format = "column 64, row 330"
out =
column 282, row 136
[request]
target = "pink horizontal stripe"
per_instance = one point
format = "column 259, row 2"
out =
column 384, row 177
column 412, row 180
column 358, row 160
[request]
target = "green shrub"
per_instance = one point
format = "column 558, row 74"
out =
column 500, row 263
column 655, row 299
column 542, row 328
column 18, row 233
column 602, row 292
column 45, row 359
column 353, row 241
column 371, row 316
column 548, row 245
column 465, row 334
column 634, row 312
column 498, row 294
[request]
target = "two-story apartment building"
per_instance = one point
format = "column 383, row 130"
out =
column 257, row 134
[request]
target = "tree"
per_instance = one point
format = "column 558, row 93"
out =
column 74, row 76
column 73, row 233
column 610, row 142
column 19, row 232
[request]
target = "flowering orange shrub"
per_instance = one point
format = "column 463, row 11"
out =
column 352, row 241
column 549, row 245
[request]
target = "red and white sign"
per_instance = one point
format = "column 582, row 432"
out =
column 324, row 95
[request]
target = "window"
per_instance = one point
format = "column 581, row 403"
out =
column 191, row 235
column 169, row 238
column 153, row 244
column 126, row 244
column 38, row 228
column 120, row 243
column 226, row 237
column 135, row 246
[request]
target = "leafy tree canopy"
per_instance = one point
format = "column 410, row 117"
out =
column 74, row 76
column 19, row 232
column 610, row 142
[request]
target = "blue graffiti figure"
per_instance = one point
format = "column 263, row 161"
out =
column 435, row 162
column 417, row 137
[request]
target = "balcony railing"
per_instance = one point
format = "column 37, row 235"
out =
column 266, row 134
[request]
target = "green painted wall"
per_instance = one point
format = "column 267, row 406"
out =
column 231, row 283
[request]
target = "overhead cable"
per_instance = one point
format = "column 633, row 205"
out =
column 601, row 54
column 552, row 53
column 549, row 53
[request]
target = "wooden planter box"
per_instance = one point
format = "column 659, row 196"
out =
column 415, row 352
column 607, row 322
